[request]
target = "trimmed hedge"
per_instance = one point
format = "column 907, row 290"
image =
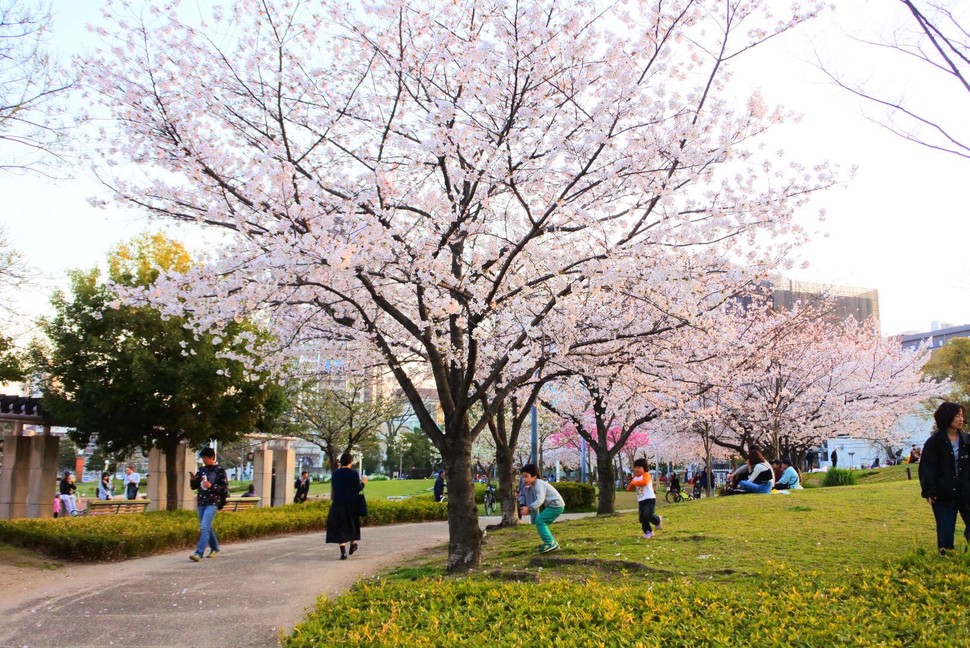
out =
column 117, row 537
column 923, row 600
column 577, row 495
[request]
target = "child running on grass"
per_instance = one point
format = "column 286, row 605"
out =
column 542, row 494
column 642, row 482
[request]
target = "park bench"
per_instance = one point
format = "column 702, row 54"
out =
column 116, row 506
column 234, row 504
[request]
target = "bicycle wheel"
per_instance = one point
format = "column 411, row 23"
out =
column 672, row 497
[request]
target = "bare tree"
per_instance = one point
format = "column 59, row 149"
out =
column 32, row 87
column 939, row 42
column 339, row 419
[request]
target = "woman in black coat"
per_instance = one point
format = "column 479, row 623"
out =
column 944, row 474
column 343, row 521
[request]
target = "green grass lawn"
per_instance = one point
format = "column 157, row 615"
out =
column 378, row 488
column 842, row 566
column 818, row 531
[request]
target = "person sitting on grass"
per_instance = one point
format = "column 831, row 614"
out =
column 642, row 482
column 734, row 478
column 789, row 477
column 543, row 494
column 760, row 477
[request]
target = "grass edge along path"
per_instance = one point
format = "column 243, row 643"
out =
column 119, row 537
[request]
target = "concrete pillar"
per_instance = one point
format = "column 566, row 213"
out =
column 263, row 475
column 42, row 476
column 285, row 470
column 158, row 482
column 15, row 477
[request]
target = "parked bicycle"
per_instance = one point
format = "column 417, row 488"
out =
column 491, row 499
column 678, row 495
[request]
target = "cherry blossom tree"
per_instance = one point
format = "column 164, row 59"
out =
column 605, row 408
column 784, row 381
column 447, row 182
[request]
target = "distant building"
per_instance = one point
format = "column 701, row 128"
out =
column 847, row 301
column 919, row 425
column 936, row 337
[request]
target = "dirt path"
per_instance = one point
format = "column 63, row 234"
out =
column 247, row 596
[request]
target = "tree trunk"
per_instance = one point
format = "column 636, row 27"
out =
column 605, row 480
column 505, row 461
column 464, row 535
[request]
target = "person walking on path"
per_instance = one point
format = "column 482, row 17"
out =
column 944, row 474
column 543, row 494
column 105, row 490
column 302, row 486
column 439, row 486
column 343, row 521
column 68, row 490
column 642, row 482
column 212, row 485
column 834, row 457
column 132, row 479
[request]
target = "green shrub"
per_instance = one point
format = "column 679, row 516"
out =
column 839, row 477
column 577, row 495
column 116, row 537
column 922, row 600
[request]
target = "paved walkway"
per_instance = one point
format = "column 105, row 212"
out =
column 247, row 596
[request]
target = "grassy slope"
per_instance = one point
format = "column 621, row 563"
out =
column 820, row 567
column 821, row 530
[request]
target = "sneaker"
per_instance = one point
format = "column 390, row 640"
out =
column 213, row 553
column 648, row 535
column 660, row 521
column 195, row 557
column 549, row 547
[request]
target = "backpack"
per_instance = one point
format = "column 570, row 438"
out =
column 223, row 495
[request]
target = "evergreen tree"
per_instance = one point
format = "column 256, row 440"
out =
column 139, row 379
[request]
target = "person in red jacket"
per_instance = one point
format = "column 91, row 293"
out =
column 642, row 483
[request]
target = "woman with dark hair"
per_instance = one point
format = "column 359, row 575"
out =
column 105, row 490
column 761, row 478
column 343, row 521
column 68, row 492
column 944, row 474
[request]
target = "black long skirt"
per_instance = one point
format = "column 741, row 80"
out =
column 343, row 524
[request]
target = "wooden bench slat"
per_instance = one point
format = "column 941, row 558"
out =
column 116, row 506
column 234, row 504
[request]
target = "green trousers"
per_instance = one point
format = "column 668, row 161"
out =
column 544, row 519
